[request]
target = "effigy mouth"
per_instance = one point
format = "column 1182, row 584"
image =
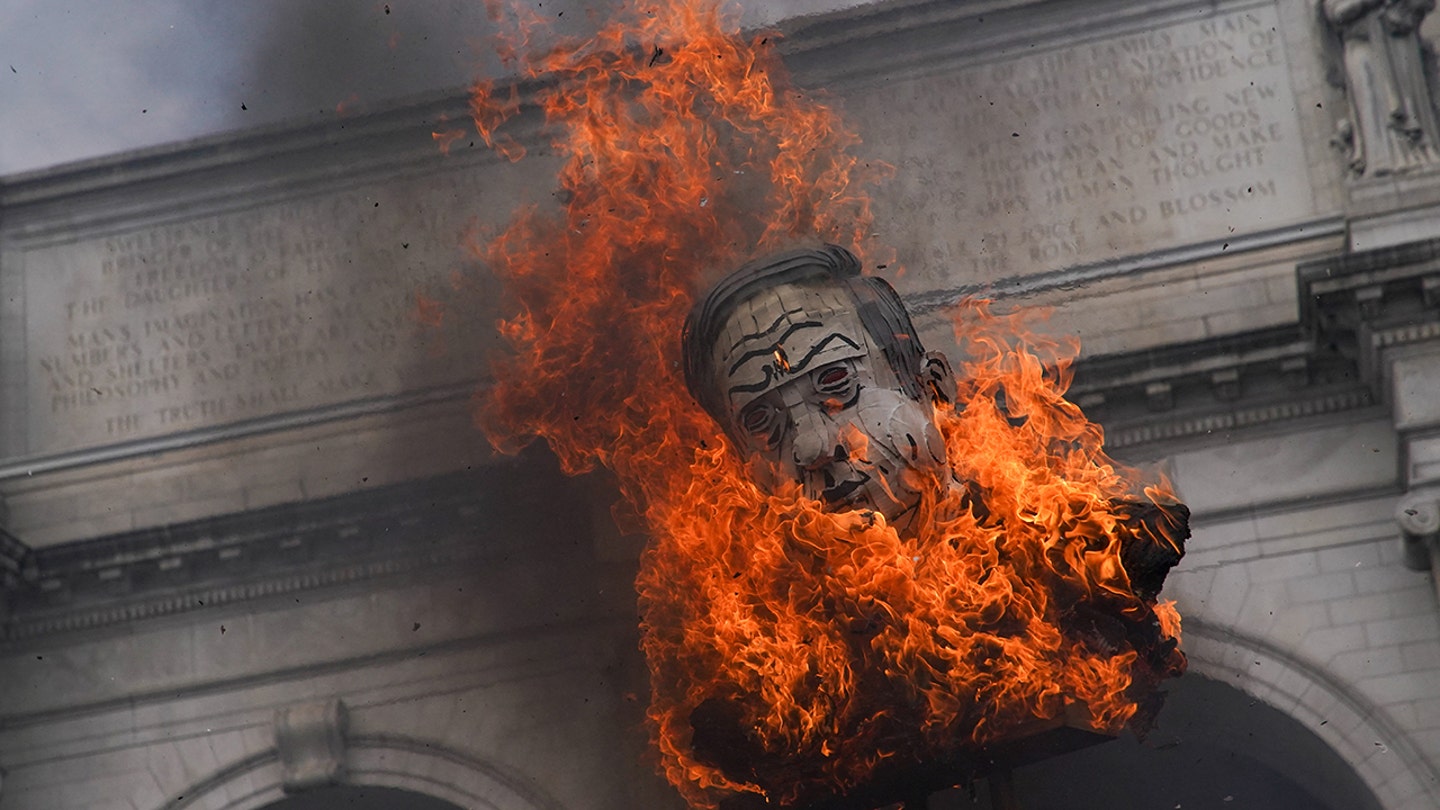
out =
column 844, row 494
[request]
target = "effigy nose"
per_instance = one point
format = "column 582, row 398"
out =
column 815, row 443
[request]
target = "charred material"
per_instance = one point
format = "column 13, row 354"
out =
column 1151, row 538
column 1152, row 543
column 910, row 782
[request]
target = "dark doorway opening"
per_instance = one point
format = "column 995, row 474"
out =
column 360, row 798
column 1214, row 747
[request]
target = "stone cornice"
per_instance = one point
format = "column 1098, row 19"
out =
column 1212, row 388
column 1353, row 308
column 1370, row 302
column 1222, row 424
column 425, row 526
column 932, row 301
column 177, row 160
column 17, row 567
column 883, row 41
column 236, row 170
column 25, row 467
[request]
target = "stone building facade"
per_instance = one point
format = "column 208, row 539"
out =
column 255, row 555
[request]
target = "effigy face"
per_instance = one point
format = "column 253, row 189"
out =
column 816, row 376
column 814, row 401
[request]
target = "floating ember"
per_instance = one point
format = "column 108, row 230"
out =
column 888, row 570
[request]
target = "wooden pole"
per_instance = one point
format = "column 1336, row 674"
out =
column 1002, row 790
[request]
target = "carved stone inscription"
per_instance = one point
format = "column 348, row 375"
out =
column 282, row 307
column 1089, row 152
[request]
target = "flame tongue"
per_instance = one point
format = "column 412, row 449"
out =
column 683, row 143
column 793, row 649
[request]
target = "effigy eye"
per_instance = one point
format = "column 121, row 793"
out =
column 759, row 420
column 832, row 379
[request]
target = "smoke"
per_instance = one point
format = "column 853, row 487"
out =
column 317, row 55
column 79, row 80
column 328, row 57
column 85, row 79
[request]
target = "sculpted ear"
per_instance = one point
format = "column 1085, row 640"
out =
column 937, row 377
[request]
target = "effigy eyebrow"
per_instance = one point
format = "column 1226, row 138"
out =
column 769, row 350
column 753, row 387
column 799, row 367
column 772, row 327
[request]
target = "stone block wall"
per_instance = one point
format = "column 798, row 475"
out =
column 1295, row 591
column 505, row 676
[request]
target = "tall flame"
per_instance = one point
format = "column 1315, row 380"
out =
column 826, row 642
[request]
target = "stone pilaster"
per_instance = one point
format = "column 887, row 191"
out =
column 1382, row 305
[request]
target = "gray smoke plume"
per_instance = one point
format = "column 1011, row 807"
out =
column 85, row 78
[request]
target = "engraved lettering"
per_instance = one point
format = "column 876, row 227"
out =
column 291, row 304
column 1144, row 141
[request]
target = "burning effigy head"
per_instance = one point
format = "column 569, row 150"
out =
column 815, row 372
column 931, row 571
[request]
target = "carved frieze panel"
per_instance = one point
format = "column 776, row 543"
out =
column 161, row 328
column 1035, row 159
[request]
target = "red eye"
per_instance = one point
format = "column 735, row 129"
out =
column 832, row 378
column 756, row 419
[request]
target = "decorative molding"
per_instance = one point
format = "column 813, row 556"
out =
column 16, row 569
column 16, row 562
column 1418, row 515
column 1406, row 334
column 446, row 773
column 23, row 628
column 1354, row 309
column 931, row 301
column 310, row 739
column 248, row 784
column 883, row 41
column 1386, row 288
column 230, row 171
column 1377, row 306
column 444, row 524
column 1199, row 390
column 291, row 420
column 1241, row 418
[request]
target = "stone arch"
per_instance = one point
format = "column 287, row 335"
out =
column 1360, row 732
column 251, row 783
column 361, row 797
column 424, row 767
column 378, row 761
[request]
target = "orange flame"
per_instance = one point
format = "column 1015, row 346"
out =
column 348, row 106
column 830, row 641
column 781, row 361
column 445, row 137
